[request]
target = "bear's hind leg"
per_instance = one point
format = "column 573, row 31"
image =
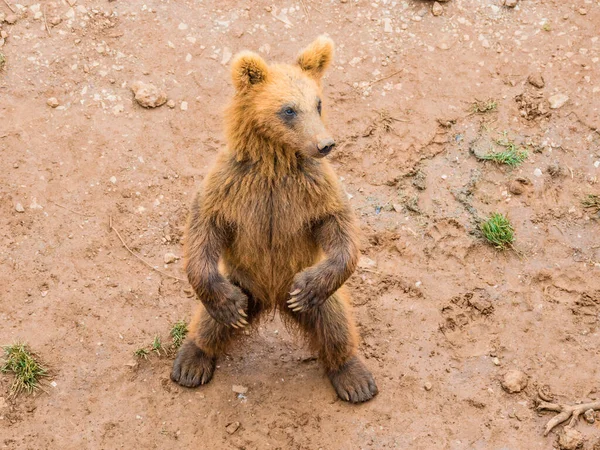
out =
column 207, row 339
column 332, row 333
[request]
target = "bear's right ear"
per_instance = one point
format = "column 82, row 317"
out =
column 248, row 69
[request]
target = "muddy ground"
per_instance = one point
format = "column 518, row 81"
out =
column 442, row 314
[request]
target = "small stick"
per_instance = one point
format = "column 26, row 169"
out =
column 565, row 411
column 9, row 6
column 110, row 225
column 70, row 210
column 45, row 22
column 305, row 9
column 386, row 77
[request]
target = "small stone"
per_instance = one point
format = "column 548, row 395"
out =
column 239, row 389
column 570, row 439
column 183, row 26
column 227, row 54
column 52, row 102
column 11, row 19
column 184, row 106
column 510, row 3
column 536, row 79
column 113, row 179
column 19, row 208
column 387, row 25
column 590, row 416
column 170, row 258
column 516, row 188
column 514, row 381
column 397, row 207
column 558, row 100
column 496, row 361
column 366, row 263
column 148, row 95
column 171, row 104
column 537, row 172
column 54, row 20
column 428, row 386
column 232, row 427
column 437, row 9
column 582, row 11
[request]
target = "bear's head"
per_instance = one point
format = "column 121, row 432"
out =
column 281, row 104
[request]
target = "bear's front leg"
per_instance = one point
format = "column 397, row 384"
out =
column 337, row 236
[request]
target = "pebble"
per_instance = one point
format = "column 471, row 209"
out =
column 387, row 25
column 227, row 54
column 515, row 187
column 496, row 361
column 239, row 389
column 113, row 179
column 19, row 208
column 232, row 427
column 437, row 9
column 11, row 19
column 536, row 79
column 510, row 3
column 428, row 386
column 537, row 172
column 170, row 258
column 148, row 95
column 570, row 439
column 184, row 106
column 590, row 416
column 54, row 20
column 171, row 104
column 53, row 102
column 558, row 100
column 366, row 263
column 582, row 11
column 514, row 381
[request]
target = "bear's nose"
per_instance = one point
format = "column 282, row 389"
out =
column 325, row 146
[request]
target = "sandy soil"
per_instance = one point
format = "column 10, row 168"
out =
column 443, row 315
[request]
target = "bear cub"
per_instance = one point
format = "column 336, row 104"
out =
column 271, row 227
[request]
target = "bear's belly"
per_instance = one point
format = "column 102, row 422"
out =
column 266, row 265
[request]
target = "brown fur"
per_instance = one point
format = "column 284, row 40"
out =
column 272, row 228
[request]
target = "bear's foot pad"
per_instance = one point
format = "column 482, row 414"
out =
column 192, row 367
column 353, row 382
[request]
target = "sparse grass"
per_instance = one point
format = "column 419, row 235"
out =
column 157, row 346
column 178, row 333
column 23, row 365
column 547, row 26
column 2, row 61
column 498, row 231
column 141, row 353
column 485, row 106
column 512, row 155
column 592, row 201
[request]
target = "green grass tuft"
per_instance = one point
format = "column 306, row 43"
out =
column 178, row 333
column 482, row 107
column 2, row 61
column 23, row 365
column 141, row 353
column 512, row 155
column 157, row 346
column 498, row 231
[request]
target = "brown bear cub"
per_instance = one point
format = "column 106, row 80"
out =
column 272, row 228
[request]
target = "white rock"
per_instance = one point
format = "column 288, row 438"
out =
column 227, row 54
column 558, row 100
column 148, row 95
column 113, row 179
column 366, row 263
column 437, row 9
column 239, row 389
column 514, row 381
column 184, row 106
column 52, row 102
column 19, row 208
column 170, row 258
column 183, row 26
column 387, row 25
column 537, row 172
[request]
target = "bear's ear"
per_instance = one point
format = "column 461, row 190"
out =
column 315, row 58
column 248, row 69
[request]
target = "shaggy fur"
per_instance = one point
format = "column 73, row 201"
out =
column 272, row 228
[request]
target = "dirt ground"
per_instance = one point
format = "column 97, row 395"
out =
column 443, row 315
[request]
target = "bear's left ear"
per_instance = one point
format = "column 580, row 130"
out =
column 315, row 58
column 248, row 69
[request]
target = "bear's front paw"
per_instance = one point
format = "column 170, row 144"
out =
column 231, row 311
column 307, row 293
column 192, row 367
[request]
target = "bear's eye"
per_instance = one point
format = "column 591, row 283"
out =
column 319, row 106
column 289, row 112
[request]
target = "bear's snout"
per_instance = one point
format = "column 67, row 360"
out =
column 325, row 146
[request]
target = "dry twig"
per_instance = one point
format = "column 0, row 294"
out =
column 386, row 77
column 9, row 6
column 565, row 411
column 45, row 22
column 110, row 225
column 70, row 210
